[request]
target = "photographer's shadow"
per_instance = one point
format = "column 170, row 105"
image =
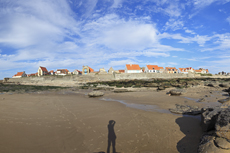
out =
column 111, row 138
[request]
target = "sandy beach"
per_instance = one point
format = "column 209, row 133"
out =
column 71, row 122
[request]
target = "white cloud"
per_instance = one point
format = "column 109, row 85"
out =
column 116, row 3
column 189, row 31
column 222, row 42
column 202, row 3
column 201, row 40
column 174, row 24
column 29, row 23
column 228, row 19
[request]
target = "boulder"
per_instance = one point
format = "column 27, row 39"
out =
column 95, row 94
column 222, row 143
column 224, row 85
column 185, row 109
column 223, row 124
column 176, row 92
column 201, row 100
column 207, row 145
column 224, row 100
column 208, row 117
column 161, row 88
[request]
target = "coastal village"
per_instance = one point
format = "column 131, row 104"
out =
column 129, row 68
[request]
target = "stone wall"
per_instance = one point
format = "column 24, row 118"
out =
column 72, row 80
column 150, row 75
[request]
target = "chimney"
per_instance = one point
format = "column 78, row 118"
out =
column 130, row 64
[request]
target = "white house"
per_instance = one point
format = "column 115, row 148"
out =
column 183, row 70
column 42, row 71
column 62, row 72
column 77, row 72
column 190, row 69
column 132, row 68
column 153, row 69
column 202, row 71
column 20, row 74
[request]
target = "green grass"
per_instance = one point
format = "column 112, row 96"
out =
column 206, row 74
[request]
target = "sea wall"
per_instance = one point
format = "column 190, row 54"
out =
column 123, row 76
column 71, row 80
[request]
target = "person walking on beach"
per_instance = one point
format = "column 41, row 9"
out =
column 111, row 136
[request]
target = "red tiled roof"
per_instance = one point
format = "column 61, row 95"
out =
column 189, row 68
column 170, row 68
column 43, row 69
column 161, row 68
column 19, row 74
column 198, row 70
column 133, row 67
column 32, row 74
column 183, row 69
column 121, row 71
column 90, row 69
column 207, row 70
column 152, row 67
column 51, row 70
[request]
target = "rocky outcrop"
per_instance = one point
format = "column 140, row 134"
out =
column 224, row 85
column 201, row 100
column 161, row 88
column 216, row 122
column 208, row 117
column 176, row 92
column 185, row 109
column 224, row 100
column 208, row 144
column 223, row 124
column 95, row 94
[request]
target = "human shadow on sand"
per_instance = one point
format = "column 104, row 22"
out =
column 111, row 138
column 190, row 126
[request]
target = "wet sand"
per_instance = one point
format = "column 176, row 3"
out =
column 73, row 123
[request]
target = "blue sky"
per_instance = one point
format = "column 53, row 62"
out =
column 104, row 33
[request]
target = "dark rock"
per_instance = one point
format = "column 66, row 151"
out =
column 208, row 117
column 161, row 88
column 95, row 94
column 223, row 124
column 201, row 100
column 224, row 100
column 224, row 85
column 185, row 109
column 210, row 85
column 207, row 145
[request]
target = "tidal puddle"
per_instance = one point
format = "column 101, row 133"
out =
column 196, row 100
column 151, row 108
column 206, row 103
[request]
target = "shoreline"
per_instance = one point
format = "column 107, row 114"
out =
column 67, row 120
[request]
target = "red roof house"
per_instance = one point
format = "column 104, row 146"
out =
column 153, row 69
column 132, row 68
column 42, row 71
column 20, row 74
